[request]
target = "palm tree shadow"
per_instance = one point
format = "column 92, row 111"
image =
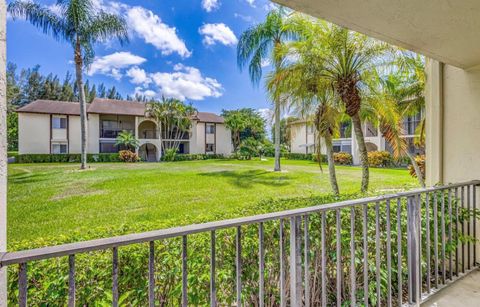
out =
column 27, row 178
column 247, row 179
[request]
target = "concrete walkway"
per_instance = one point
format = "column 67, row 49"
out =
column 463, row 293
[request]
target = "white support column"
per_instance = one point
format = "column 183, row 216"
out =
column 3, row 149
column 434, row 124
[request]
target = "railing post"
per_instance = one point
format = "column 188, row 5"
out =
column 413, row 256
column 295, row 263
column 3, row 150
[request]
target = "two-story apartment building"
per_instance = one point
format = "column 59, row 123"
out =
column 303, row 138
column 54, row 127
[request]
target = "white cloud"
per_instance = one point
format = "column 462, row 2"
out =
column 112, row 64
column 150, row 27
column 210, row 5
column 251, row 2
column 186, row 82
column 270, row 6
column 138, row 76
column 142, row 92
column 267, row 115
column 217, row 32
column 245, row 18
column 266, row 62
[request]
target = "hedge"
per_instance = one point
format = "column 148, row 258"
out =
column 66, row 158
column 193, row 157
column 48, row 279
column 302, row 156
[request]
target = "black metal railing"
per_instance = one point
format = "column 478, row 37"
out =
column 386, row 250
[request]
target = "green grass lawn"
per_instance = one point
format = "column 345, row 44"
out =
column 47, row 200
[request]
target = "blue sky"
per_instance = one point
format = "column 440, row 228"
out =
column 185, row 49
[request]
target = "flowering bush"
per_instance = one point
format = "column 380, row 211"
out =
column 421, row 164
column 343, row 158
column 379, row 159
column 128, row 156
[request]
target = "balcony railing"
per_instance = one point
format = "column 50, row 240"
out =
column 148, row 134
column 387, row 250
column 113, row 134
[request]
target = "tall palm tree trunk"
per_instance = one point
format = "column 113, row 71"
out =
column 277, row 137
column 3, row 149
column 418, row 172
column 362, row 148
column 331, row 164
column 83, row 104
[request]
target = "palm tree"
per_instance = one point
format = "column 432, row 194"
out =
column 392, row 98
column 309, row 93
column 79, row 23
column 175, row 120
column 262, row 43
column 127, row 140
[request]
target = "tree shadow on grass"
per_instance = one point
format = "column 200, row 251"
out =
column 247, row 179
column 27, row 178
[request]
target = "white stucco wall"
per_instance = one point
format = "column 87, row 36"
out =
column 456, row 132
column 93, row 130
column 33, row 133
column 197, row 140
column 224, row 140
column 298, row 138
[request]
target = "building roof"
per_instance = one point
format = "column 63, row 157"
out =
column 52, row 107
column 117, row 107
column 103, row 106
column 206, row 117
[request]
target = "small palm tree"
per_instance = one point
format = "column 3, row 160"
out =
column 349, row 57
column 79, row 23
column 390, row 99
column 175, row 119
column 309, row 93
column 127, row 140
column 258, row 44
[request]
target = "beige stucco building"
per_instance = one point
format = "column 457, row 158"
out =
column 303, row 139
column 53, row 127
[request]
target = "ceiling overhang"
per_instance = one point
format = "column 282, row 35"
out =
column 445, row 30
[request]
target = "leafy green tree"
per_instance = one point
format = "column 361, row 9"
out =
column 80, row 24
column 175, row 120
column 244, row 123
column 127, row 140
column 261, row 43
column 345, row 59
column 311, row 95
column 393, row 97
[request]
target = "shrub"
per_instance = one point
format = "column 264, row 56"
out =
column 66, row 158
column 380, row 159
column 298, row 156
column 128, row 156
column 169, row 154
column 420, row 159
column 249, row 148
column 12, row 154
column 194, row 157
column 47, row 279
column 343, row 158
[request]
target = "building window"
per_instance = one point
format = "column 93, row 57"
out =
column 311, row 129
column 59, row 122
column 106, row 147
column 210, row 147
column 59, row 148
column 210, row 128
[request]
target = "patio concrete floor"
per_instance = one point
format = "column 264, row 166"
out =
column 464, row 292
